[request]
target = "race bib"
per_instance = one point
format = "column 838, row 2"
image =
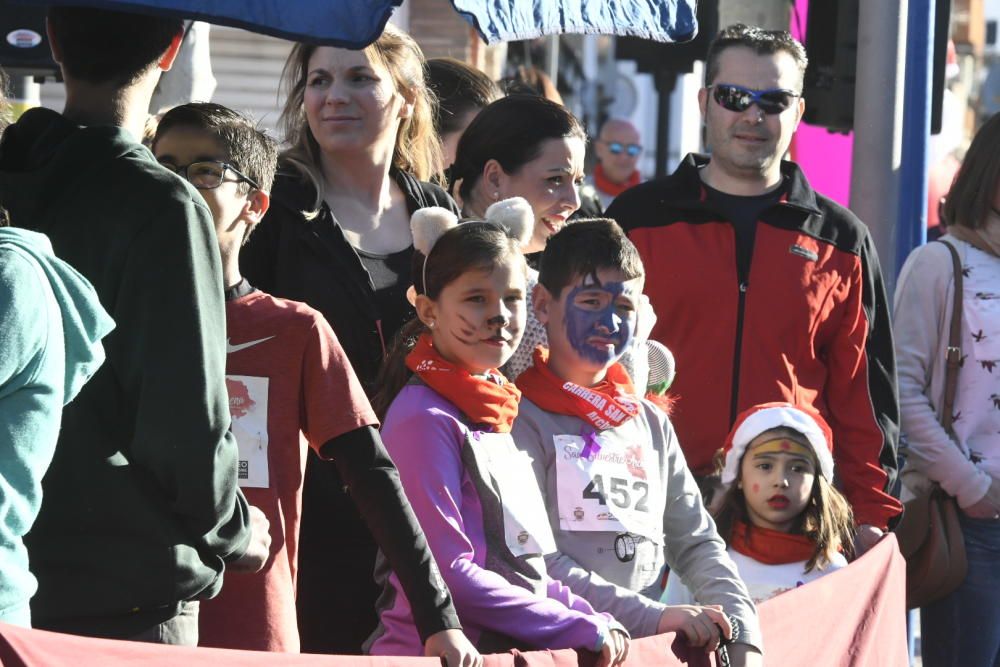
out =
column 526, row 523
column 607, row 484
column 248, row 408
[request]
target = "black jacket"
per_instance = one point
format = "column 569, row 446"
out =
column 141, row 506
column 312, row 261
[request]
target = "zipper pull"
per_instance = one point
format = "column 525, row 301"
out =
column 743, row 287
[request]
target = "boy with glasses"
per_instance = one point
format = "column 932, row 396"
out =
column 290, row 386
column 765, row 289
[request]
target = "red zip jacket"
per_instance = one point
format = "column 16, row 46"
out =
column 809, row 322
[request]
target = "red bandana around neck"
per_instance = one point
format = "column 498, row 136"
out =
column 609, row 404
column 607, row 186
column 771, row 547
column 482, row 400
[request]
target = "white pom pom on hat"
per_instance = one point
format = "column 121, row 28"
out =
column 751, row 423
column 428, row 225
column 514, row 215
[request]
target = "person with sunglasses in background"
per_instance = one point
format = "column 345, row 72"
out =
column 618, row 148
column 765, row 289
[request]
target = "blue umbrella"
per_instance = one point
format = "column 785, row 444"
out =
column 356, row 23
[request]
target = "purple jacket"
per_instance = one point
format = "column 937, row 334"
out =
column 503, row 600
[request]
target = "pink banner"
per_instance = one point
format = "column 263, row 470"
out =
column 853, row 617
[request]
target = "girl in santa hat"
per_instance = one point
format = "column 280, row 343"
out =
column 784, row 522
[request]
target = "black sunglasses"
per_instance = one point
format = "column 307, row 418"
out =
column 617, row 148
column 739, row 99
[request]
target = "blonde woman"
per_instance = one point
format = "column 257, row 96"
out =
column 337, row 237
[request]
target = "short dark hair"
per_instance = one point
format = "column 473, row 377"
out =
column 103, row 46
column 510, row 131
column 247, row 147
column 760, row 41
column 582, row 249
column 971, row 195
column 460, row 88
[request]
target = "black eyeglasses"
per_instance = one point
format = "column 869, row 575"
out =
column 739, row 99
column 208, row 175
column 617, row 148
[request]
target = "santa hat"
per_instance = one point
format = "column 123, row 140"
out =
column 767, row 416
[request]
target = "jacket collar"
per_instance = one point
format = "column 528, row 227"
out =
column 799, row 194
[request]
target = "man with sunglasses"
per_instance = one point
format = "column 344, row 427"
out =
column 141, row 512
column 766, row 290
column 618, row 150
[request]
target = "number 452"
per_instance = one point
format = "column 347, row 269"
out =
column 619, row 491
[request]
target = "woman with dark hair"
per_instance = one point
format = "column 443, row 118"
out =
column 527, row 146
column 462, row 92
column 337, row 237
column 522, row 146
column 960, row 449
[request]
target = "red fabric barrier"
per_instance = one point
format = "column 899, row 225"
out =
column 853, row 617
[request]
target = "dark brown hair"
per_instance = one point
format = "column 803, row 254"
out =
column 827, row 519
column 970, row 198
column 460, row 88
column 582, row 249
column 510, row 131
column 104, row 46
column 474, row 245
column 247, row 147
column 760, row 41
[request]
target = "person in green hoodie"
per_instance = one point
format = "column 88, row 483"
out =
column 141, row 512
column 51, row 325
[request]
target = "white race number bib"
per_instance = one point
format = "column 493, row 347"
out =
column 248, row 408
column 526, row 523
column 607, row 484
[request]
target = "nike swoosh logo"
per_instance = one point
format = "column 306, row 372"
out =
column 230, row 348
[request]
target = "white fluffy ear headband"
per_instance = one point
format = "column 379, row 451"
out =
column 431, row 223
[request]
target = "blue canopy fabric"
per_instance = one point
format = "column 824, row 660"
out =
column 355, row 24
column 510, row 20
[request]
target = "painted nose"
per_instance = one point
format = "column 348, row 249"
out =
column 610, row 321
column 502, row 317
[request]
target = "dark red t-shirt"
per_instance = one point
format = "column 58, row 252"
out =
column 290, row 385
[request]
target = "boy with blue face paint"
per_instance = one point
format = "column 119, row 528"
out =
column 621, row 500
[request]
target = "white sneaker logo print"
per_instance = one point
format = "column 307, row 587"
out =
column 230, row 348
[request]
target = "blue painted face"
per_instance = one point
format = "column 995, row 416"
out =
column 596, row 325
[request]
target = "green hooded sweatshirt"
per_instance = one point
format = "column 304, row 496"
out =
column 51, row 324
column 141, row 506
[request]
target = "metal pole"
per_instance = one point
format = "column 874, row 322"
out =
column 552, row 59
column 666, row 80
column 912, row 227
column 24, row 94
column 878, row 124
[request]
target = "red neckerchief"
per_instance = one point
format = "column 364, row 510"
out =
column 483, row 401
column 609, row 404
column 605, row 185
column 771, row 547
